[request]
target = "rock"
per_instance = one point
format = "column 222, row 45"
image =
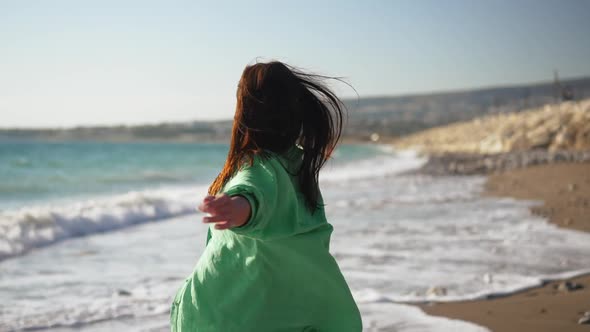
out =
column 516, row 143
column 536, row 121
column 555, row 127
column 564, row 138
column 568, row 286
column 464, row 164
column 584, row 319
column 436, row 291
column 122, row 292
column 539, row 138
column 491, row 144
column 571, row 187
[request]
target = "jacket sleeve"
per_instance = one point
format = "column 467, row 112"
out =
column 258, row 184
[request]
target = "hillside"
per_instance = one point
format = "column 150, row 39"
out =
column 398, row 116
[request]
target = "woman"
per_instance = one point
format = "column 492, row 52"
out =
column 266, row 265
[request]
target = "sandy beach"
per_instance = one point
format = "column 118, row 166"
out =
column 564, row 190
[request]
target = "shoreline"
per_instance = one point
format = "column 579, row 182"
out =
column 563, row 188
column 452, row 163
column 564, row 192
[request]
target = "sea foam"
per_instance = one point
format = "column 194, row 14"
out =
column 397, row 238
column 41, row 225
column 37, row 226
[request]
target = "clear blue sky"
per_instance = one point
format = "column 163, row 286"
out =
column 65, row 63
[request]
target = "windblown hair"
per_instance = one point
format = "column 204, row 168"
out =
column 277, row 107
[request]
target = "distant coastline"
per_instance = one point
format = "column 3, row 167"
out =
column 389, row 117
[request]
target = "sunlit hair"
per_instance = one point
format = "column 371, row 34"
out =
column 277, row 107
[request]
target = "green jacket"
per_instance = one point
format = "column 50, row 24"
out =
column 275, row 272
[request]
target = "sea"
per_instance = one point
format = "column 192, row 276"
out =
column 98, row 236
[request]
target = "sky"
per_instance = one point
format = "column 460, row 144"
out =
column 71, row 63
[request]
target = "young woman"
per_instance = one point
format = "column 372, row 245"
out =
column 266, row 265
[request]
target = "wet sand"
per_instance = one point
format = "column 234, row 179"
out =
column 565, row 192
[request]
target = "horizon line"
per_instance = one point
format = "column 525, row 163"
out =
column 344, row 99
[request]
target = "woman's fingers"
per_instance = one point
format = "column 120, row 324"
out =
column 203, row 206
column 221, row 222
column 223, row 225
column 215, row 219
column 212, row 204
column 219, row 208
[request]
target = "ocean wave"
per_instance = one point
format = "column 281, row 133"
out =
column 22, row 162
column 38, row 226
column 147, row 176
column 398, row 239
column 394, row 162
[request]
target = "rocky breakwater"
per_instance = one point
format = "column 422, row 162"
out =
column 549, row 134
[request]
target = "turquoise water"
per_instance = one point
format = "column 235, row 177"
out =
column 40, row 172
column 32, row 172
column 53, row 191
column 98, row 236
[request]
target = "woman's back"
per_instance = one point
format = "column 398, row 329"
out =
column 275, row 273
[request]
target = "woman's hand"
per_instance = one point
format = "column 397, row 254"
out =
column 225, row 211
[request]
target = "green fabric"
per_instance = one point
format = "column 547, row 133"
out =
column 275, row 272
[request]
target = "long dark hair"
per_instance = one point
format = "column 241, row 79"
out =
column 277, row 107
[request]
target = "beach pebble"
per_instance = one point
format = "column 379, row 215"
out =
column 568, row 286
column 436, row 291
column 122, row 292
column 449, row 163
column 585, row 319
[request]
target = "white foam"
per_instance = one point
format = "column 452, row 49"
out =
column 37, row 226
column 400, row 317
column 417, row 238
column 72, row 296
column 396, row 238
column 144, row 302
column 380, row 166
